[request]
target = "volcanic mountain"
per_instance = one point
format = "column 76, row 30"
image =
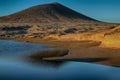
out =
column 53, row 12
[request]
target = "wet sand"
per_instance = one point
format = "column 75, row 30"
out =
column 82, row 51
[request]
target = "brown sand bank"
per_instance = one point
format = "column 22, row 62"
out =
column 83, row 51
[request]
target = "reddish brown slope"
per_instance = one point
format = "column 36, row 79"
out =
column 53, row 12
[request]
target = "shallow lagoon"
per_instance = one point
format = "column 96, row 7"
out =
column 13, row 67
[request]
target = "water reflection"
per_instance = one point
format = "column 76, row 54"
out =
column 11, row 69
column 14, row 68
column 60, row 62
column 13, row 48
column 52, row 64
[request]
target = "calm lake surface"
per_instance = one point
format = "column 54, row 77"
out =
column 13, row 67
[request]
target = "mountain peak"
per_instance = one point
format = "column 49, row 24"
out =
column 55, row 3
column 52, row 12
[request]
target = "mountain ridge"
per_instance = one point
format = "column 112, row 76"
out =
column 51, row 12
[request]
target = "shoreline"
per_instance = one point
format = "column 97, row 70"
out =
column 81, row 51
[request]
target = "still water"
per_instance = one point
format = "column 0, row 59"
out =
column 12, row 67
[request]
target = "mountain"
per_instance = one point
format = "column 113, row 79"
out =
column 53, row 12
column 72, row 26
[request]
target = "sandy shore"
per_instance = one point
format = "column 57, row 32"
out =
column 82, row 51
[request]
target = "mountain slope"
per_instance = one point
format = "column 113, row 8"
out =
column 53, row 12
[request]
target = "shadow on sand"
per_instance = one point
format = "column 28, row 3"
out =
column 46, row 58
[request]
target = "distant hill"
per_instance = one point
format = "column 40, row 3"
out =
column 53, row 12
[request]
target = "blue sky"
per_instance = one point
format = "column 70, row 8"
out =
column 104, row 10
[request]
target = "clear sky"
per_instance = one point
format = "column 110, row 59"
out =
column 104, row 10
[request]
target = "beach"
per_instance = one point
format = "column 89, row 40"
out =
column 82, row 51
